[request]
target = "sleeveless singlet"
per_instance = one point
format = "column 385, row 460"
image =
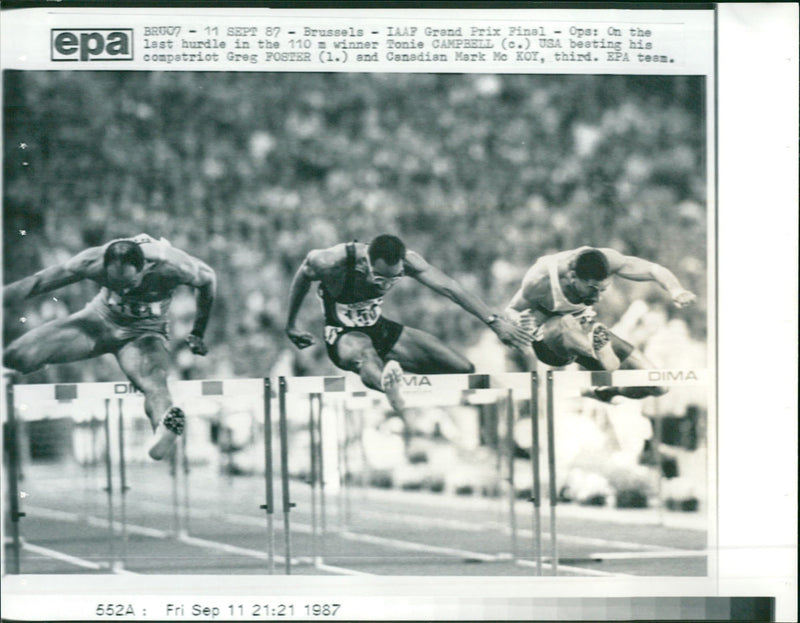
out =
column 359, row 302
column 561, row 305
column 148, row 305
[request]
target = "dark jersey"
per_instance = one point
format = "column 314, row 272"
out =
column 358, row 304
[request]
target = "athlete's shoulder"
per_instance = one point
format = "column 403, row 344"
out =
column 88, row 263
column 536, row 288
column 158, row 249
column 185, row 268
column 319, row 262
column 170, row 261
column 413, row 262
column 615, row 259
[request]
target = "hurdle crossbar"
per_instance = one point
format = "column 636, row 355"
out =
column 633, row 378
column 62, row 392
column 412, row 383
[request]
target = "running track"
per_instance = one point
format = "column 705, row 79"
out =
column 367, row 531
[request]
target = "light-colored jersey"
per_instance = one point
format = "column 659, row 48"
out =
column 561, row 305
column 149, row 302
column 538, row 311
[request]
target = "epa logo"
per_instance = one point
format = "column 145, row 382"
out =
column 91, row 44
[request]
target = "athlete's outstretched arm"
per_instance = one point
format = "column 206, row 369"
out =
column 206, row 285
column 430, row 276
column 310, row 271
column 197, row 274
column 76, row 269
column 637, row 269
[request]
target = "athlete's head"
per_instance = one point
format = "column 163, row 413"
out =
column 590, row 275
column 123, row 262
column 385, row 261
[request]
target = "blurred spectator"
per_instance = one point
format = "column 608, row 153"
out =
column 481, row 174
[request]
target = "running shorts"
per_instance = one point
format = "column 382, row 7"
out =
column 554, row 355
column 383, row 334
column 112, row 333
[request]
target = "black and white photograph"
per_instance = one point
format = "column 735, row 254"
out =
column 438, row 324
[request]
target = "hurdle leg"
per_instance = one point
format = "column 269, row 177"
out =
column 285, row 472
column 321, row 468
column 341, row 463
column 185, row 506
column 123, row 485
column 347, row 471
column 511, row 492
column 11, row 447
column 312, row 476
column 109, row 487
column 551, row 457
column 269, row 506
column 175, row 471
column 536, row 488
column 88, row 466
column 499, row 451
column 658, row 434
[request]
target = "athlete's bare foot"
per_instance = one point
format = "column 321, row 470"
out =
column 168, row 430
column 391, row 382
column 601, row 347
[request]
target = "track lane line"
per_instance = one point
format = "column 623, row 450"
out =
column 678, row 553
column 581, row 570
column 421, row 547
column 189, row 540
column 73, row 560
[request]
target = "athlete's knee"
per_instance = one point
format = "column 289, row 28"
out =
column 355, row 351
column 18, row 358
column 464, row 366
column 559, row 328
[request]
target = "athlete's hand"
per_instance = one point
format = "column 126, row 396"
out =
column 196, row 344
column 301, row 339
column 510, row 333
column 683, row 298
column 525, row 320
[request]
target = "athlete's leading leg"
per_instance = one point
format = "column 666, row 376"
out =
column 356, row 353
column 59, row 341
column 568, row 337
column 420, row 352
column 631, row 359
column 637, row 361
column 145, row 361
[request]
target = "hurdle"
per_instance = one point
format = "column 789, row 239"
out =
column 418, row 390
column 11, row 453
column 107, row 395
column 269, row 505
column 577, row 380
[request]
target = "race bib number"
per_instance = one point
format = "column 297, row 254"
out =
column 134, row 309
column 362, row 314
